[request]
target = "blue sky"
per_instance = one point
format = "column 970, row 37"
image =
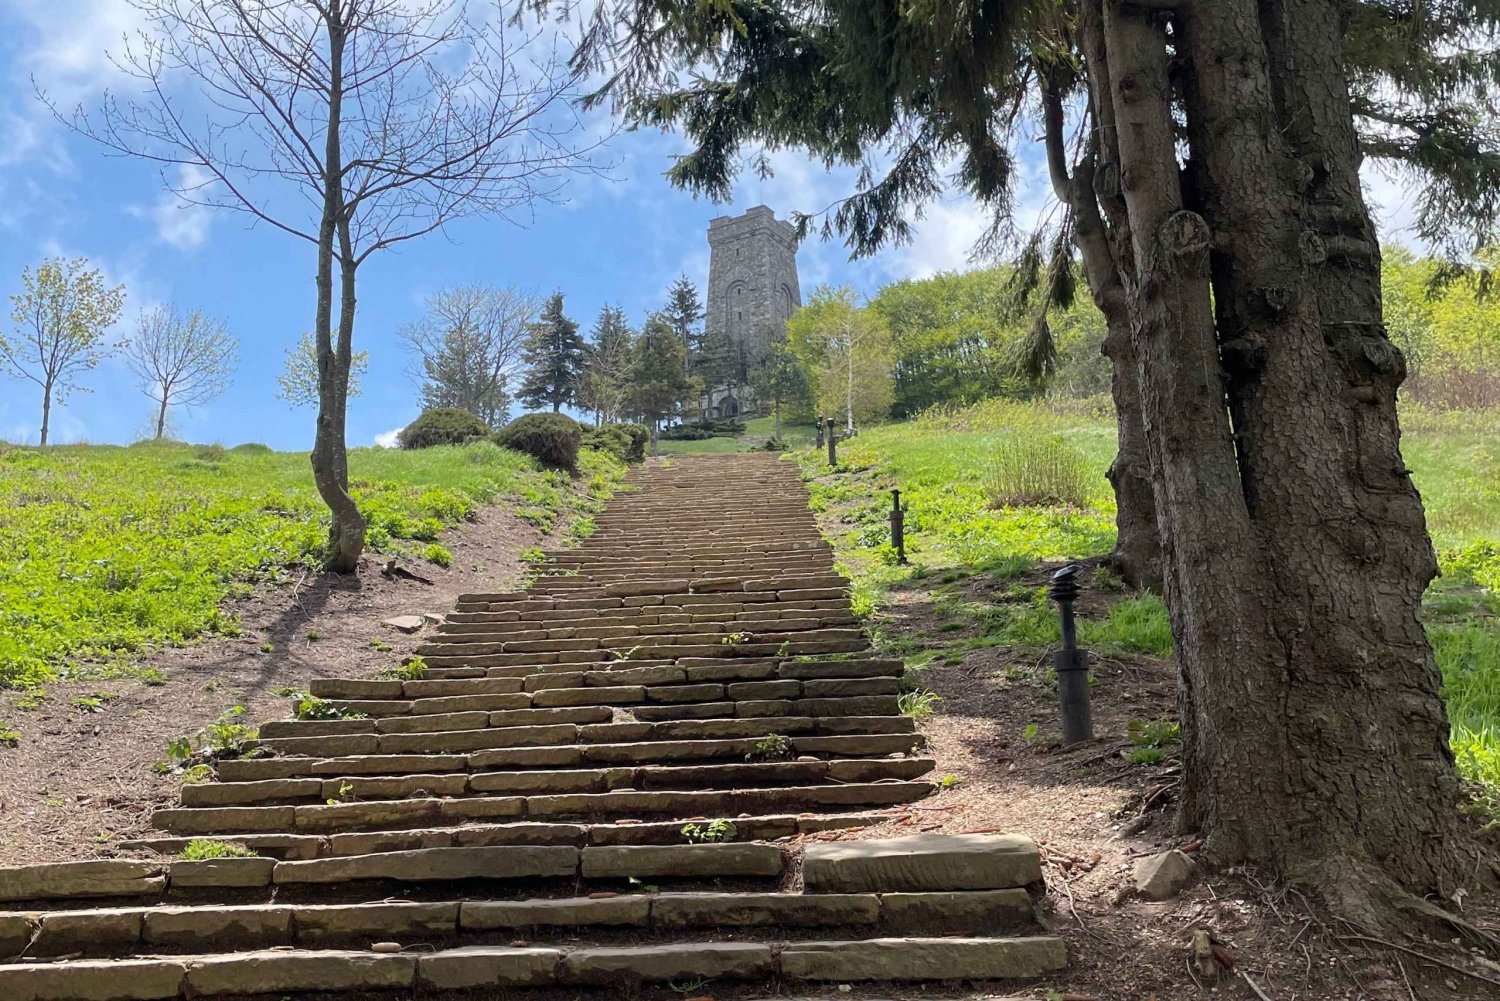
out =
column 620, row 239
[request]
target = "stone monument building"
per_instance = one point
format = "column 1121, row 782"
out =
column 752, row 292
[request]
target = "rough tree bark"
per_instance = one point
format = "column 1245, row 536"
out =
column 1294, row 550
column 1360, row 801
column 1137, row 553
column 346, row 532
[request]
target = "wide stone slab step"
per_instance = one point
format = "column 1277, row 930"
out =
column 468, row 733
column 526, row 832
column 167, row 928
column 922, row 862
column 558, row 756
column 502, row 967
column 407, row 813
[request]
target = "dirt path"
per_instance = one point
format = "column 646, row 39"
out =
column 80, row 781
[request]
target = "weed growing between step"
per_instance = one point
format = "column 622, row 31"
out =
column 203, row 849
column 192, row 755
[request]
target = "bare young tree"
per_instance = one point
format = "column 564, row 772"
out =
column 354, row 125
column 297, row 383
column 181, row 361
column 61, row 316
column 466, row 346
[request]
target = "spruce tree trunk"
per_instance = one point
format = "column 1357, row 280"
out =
column 1210, row 568
column 1348, row 783
column 1137, row 553
column 346, row 533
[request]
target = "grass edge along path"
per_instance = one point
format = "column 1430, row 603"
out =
column 109, row 550
column 951, row 468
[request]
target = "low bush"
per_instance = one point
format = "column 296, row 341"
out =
column 442, row 426
column 551, row 439
column 727, row 427
column 1036, row 470
column 626, row 442
column 252, row 448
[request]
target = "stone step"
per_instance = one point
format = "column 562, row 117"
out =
column 409, row 813
column 632, row 832
column 503, row 730
column 559, row 756
column 167, row 929
column 568, row 780
column 63, row 881
column 503, row 967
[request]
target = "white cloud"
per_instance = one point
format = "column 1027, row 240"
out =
column 387, row 439
column 180, row 223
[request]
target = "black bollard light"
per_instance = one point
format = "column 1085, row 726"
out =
column 1071, row 663
column 898, row 526
column 819, row 423
column 833, row 446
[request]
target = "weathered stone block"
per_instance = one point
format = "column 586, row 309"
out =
column 223, row 872
column 921, row 862
column 15, row 933
column 499, row 862
column 277, row 972
column 923, row 959
column 657, row 964
column 203, row 928
column 96, row 980
column 706, row 910
column 101, row 878
column 836, row 688
column 754, row 691
column 433, row 722
column 65, row 932
column 612, row 696
column 351, row 688
column 571, row 780
column 682, row 860
column 686, row 693
column 568, row 911
column 321, row 922
column 972, row 911
column 489, row 966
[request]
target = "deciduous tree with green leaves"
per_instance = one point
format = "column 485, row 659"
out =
column 61, row 317
column 845, row 352
column 180, row 360
column 297, row 382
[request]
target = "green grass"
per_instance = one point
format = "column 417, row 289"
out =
column 109, row 550
column 946, row 469
column 757, row 430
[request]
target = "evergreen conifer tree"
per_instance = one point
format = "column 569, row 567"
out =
column 554, row 355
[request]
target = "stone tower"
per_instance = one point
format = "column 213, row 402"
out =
column 752, row 291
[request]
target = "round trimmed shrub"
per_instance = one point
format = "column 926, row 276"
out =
column 626, row 442
column 442, row 426
column 552, row 439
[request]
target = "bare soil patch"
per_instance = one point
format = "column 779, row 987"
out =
column 81, row 781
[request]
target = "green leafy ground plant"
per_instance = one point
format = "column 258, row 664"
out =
column 944, row 463
column 108, row 550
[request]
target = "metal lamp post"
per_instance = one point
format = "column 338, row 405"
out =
column 1071, row 663
column 898, row 526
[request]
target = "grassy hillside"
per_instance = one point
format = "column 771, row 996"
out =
column 108, row 549
column 956, row 472
column 757, row 430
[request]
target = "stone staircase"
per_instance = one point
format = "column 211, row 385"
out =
column 626, row 777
